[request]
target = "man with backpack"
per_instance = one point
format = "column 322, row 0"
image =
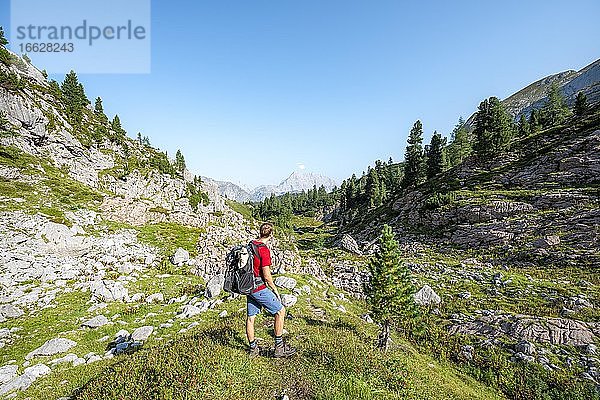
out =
column 265, row 296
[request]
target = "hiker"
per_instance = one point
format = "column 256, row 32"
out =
column 265, row 295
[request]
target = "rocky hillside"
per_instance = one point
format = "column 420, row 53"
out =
column 586, row 80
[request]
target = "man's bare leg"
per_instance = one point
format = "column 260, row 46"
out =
column 250, row 328
column 279, row 318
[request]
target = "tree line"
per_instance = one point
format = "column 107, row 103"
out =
column 494, row 131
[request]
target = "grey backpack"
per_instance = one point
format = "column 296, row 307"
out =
column 239, row 271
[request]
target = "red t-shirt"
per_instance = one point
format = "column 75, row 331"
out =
column 265, row 256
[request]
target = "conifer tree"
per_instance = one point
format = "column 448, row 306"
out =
column 98, row 106
column 523, row 128
column 3, row 41
column 390, row 291
column 435, row 155
column 493, row 128
column 581, row 106
column 139, row 138
column 373, row 188
column 4, row 54
column 179, row 162
column 413, row 169
column 116, row 126
column 74, row 97
column 555, row 110
column 534, row 121
column 460, row 145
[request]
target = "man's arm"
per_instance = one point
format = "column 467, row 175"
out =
column 269, row 279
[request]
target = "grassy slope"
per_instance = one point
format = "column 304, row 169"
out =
column 336, row 361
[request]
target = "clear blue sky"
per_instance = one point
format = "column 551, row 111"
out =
column 331, row 84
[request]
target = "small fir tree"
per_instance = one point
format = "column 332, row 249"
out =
column 390, row 291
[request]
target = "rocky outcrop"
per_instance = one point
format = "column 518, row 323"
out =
column 556, row 331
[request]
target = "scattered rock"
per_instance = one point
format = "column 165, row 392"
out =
column 37, row 370
column 214, row 286
column 180, row 256
column 51, row 347
column 155, row 298
column 108, row 291
column 347, row 242
column 525, row 347
column 547, row 241
column 10, row 311
column 427, row 296
column 222, row 314
column 8, row 372
column 142, row 333
column 189, row 311
column 288, row 300
column 286, row 282
column 95, row 322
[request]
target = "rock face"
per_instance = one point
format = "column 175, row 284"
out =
column 542, row 202
column 426, row 296
column 347, row 242
column 51, row 347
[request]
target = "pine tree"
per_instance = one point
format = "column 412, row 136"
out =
column 523, row 128
column 4, row 54
column 179, row 162
column 581, row 106
column 534, row 121
column 413, row 169
column 373, row 187
column 435, row 155
column 555, row 110
column 74, row 97
column 3, row 41
column 98, row 106
column 116, row 126
column 493, row 128
column 139, row 138
column 390, row 291
column 460, row 145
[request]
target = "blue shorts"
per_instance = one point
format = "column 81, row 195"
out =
column 263, row 298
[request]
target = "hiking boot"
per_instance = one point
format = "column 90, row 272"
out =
column 284, row 350
column 254, row 352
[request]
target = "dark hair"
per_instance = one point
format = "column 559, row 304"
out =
column 266, row 230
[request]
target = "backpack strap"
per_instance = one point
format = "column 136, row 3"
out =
column 255, row 250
